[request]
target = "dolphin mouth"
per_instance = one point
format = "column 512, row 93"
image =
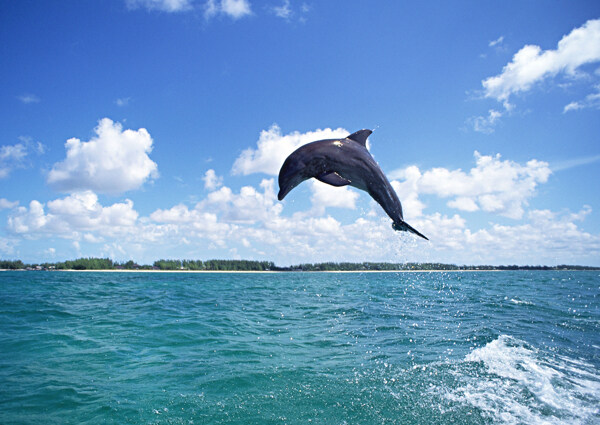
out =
column 404, row 226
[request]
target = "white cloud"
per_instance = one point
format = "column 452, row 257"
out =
column 29, row 98
column 573, row 106
column 235, row 9
column 123, row 101
column 161, row 5
column 272, row 148
column 550, row 236
column 68, row 217
column 211, row 180
column 284, row 11
column 11, row 157
column 251, row 223
column 249, row 206
column 12, row 152
column 531, row 64
column 486, row 125
column 113, row 161
column 408, row 191
column 258, row 226
column 496, row 42
column 6, row 204
column 494, row 186
column 592, row 100
column 324, row 195
column 7, row 246
column 575, row 162
column 90, row 237
column 194, row 223
column 464, row 204
column 38, row 147
column 15, row 156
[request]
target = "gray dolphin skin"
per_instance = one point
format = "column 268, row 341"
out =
column 341, row 162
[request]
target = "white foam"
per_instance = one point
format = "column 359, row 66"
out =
column 520, row 384
column 520, row 302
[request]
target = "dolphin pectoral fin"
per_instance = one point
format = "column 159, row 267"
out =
column 404, row 226
column 360, row 136
column 333, row 179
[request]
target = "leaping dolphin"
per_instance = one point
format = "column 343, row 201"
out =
column 341, row 162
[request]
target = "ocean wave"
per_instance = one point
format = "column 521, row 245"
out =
column 515, row 383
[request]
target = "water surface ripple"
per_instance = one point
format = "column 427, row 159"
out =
column 321, row 348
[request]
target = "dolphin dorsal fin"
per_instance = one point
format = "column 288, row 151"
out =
column 360, row 137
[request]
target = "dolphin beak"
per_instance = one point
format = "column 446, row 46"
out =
column 286, row 186
column 282, row 193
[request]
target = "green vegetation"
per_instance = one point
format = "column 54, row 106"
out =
column 86, row 264
column 248, row 265
column 11, row 265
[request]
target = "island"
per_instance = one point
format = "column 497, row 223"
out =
column 265, row 266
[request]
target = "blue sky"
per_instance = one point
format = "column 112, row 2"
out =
column 147, row 129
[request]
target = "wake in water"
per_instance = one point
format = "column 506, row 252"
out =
column 512, row 382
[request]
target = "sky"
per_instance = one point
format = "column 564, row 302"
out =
column 153, row 129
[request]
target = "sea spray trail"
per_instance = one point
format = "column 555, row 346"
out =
column 517, row 383
column 480, row 347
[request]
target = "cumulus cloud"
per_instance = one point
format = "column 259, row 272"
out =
column 324, row 195
column 531, row 64
column 273, row 147
column 235, row 9
column 161, row 5
column 408, row 191
column 68, row 217
column 211, row 180
column 546, row 234
column 252, row 223
column 113, row 161
column 249, row 206
column 494, row 185
column 183, row 224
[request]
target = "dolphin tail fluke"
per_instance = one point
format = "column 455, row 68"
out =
column 404, row 226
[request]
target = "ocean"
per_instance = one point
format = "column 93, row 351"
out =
column 510, row 347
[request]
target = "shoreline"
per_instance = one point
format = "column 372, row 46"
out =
column 283, row 271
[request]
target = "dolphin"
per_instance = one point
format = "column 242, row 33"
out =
column 341, row 162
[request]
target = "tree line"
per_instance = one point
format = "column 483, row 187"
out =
column 251, row 265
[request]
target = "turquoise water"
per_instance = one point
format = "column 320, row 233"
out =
column 300, row 348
